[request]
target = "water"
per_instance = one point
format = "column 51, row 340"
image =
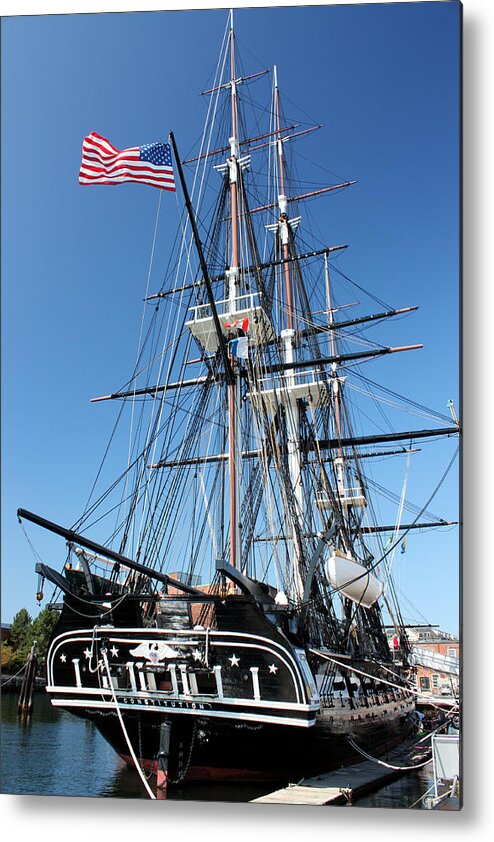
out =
column 55, row 753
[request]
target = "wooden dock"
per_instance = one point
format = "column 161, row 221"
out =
column 342, row 786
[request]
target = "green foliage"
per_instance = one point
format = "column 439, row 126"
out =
column 24, row 632
column 20, row 628
column 7, row 654
column 41, row 631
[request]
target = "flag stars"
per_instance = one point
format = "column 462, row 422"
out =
column 156, row 153
column 114, row 651
column 196, row 655
column 234, row 661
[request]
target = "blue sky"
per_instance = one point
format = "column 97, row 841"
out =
column 383, row 79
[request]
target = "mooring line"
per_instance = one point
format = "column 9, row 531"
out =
column 383, row 762
column 117, row 708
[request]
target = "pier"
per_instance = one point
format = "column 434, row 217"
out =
column 345, row 785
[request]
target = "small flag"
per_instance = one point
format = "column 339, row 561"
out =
column 102, row 163
column 243, row 324
column 404, row 545
column 239, row 347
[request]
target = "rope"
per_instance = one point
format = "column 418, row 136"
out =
column 139, row 344
column 421, row 797
column 360, row 672
column 368, row 675
column 389, row 562
column 383, row 763
column 11, row 677
column 117, row 708
column 406, row 531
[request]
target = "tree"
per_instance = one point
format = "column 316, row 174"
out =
column 19, row 631
column 20, row 637
column 41, row 632
column 24, row 632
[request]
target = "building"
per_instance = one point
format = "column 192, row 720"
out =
column 436, row 657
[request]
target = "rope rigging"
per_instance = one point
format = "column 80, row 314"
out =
column 175, row 515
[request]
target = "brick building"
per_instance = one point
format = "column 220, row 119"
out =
column 437, row 658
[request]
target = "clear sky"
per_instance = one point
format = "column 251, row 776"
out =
column 384, row 81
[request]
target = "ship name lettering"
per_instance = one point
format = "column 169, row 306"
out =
column 164, row 703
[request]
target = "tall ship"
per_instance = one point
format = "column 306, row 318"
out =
column 235, row 622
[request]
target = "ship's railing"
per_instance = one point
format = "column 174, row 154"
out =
column 350, row 496
column 243, row 303
column 311, row 377
column 231, row 315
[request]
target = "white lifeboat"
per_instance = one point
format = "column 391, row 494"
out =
column 352, row 579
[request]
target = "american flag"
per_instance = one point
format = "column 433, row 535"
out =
column 148, row 164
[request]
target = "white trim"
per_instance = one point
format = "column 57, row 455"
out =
column 160, row 695
column 164, row 632
column 219, row 682
column 266, row 649
column 185, row 681
column 77, row 671
column 68, row 637
column 173, row 676
column 132, row 677
column 255, row 683
column 142, row 676
column 251, row 717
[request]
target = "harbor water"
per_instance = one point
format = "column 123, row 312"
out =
column 55, row 753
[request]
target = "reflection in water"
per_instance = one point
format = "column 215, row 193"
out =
column 55, row 753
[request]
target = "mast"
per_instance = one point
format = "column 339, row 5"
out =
column 292, row 412
column 282, row 202
column 335, row 379
column 234, row 432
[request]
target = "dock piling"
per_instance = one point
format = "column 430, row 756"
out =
column 25, row 702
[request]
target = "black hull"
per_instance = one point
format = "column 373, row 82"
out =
column 206, row 750
column 235, row 702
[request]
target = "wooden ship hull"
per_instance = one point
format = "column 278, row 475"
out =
column 224, row 703
column 244, row 468
column 221, row 750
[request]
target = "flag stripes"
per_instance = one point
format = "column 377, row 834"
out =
column 102, row 163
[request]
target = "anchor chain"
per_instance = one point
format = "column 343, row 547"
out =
column 183, row 771
column 147, row 775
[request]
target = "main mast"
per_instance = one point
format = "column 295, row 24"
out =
column 233, row 275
